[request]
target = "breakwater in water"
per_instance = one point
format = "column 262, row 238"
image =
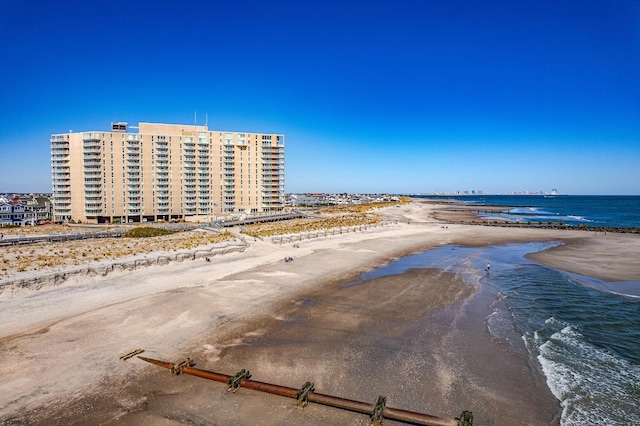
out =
column 552, row 225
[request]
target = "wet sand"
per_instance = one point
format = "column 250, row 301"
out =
column 413, row 338
column 607, row 257
column 417, row 338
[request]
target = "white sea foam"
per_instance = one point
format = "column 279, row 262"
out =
column 500, row 325
column 579, row 218
column 594, row 386
column 527, row 210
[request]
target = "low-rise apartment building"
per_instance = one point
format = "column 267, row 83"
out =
column 165, row 172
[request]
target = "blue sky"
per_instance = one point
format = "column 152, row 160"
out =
column 373, row 96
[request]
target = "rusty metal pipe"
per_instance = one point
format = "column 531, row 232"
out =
column 332, row 401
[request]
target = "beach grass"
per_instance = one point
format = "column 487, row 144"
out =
column 309, row 225
column 324, row 218
column 55, row 255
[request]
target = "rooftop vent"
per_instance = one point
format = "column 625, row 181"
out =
column 120, row 126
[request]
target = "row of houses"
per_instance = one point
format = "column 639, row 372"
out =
column 24, row 209
column 322, row 199
column 33, row 209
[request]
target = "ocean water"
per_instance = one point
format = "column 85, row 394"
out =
column 609, row 210
column 584, row 340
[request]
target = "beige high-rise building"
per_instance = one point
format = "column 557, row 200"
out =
column 165, row 172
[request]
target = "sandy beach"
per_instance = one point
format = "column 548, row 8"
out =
column 287, row 323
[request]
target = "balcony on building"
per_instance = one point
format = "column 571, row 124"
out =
column 91, row 142
column 60, row 151
column 91, row 147
column 91, row 155
column 62, row 193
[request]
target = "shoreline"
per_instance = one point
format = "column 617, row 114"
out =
column 471, row 215
column 67, row 341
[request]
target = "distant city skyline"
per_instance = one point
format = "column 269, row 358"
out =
column 393, row 97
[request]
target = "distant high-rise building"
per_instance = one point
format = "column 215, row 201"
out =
column 165, row 172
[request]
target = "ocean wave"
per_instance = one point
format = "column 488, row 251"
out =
column 499, row 324
column 619, row 288
column 539, row 217
column 594, row 386
column 528, row 211
column 578, row 218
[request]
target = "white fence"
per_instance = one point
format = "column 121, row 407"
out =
column 286, row 239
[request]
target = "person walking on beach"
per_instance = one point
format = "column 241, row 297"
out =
column 488, row 267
